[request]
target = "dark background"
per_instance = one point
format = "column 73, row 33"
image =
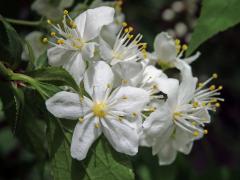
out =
column 216, row 156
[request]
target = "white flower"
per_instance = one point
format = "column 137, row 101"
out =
column 179, row 121
column 115, row 113
column 126, row 47
column 74, row 41
column 167, row 51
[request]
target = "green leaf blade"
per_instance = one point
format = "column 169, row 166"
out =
column 216, row 16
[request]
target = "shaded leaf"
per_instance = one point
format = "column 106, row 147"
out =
column 216, row 16
column 55, row 75
column 12, row 46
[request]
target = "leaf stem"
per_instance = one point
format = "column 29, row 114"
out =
column 24, row 22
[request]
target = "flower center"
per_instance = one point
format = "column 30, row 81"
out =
column 99, row 109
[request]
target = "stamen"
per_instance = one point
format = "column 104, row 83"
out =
column 195, row 133
column 53, row 34
column 97, row 125
column 45, row 40
column 81, row 119
column 65, row 12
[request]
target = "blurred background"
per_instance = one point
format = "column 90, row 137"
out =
column 215, row 157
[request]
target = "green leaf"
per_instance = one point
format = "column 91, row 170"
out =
column 54, row 75
column 41, row 61
column 102, row 161
column 12, row 46
column 216, row 16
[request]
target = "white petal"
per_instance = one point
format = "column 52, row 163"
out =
column 157, row 122
column 188, row 83
column 190, row 59
column 165, row 48
column 90, row 22
column 123, row 137
column 83, row 137
column 129, row 99
column 127, row 70
column 170, row 87
column 59, row 56
column 167, row 155
column 183, row 141
column 66, row 105
column 88, row 50
column 97, row 78
column 76, row 67
column 106, row 51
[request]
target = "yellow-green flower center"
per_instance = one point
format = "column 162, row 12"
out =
column 99, row 109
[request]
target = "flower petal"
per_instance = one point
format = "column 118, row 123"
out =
column 90, row 22
column 167, row 155
column 170, row 87
column 76, row 67
column 59, row 56
column 191, row 59
column 165, row 47
column 127, row 70
column 157, row 124
column 66, row 105
column 83, row 137
column 106, row 52
column 122, row 135
column 188, row 84
column 128, row 99
column 97, row 78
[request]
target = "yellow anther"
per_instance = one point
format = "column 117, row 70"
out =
column 124, row 81
column 53, row 34
column 194, row 123
column 215, row 75
column 217, row 105
column 205, row 131
column 73, row 24
column 65, row 12
column 177, row 114
column 177, row 41
column 213, row 100
column 130, row 36
column 184, row 47
column 195, row 133
column 134, row 114
column 99, row 109
column 81, row 99
column 124, row 24
column 195, row 104
column 126, row 30
column 120, row 118
column 204, row 104
column 60, row 41
column 97, row 125
column 49, row 21
column 152, row 109
column 200, row 85
column 45, row 40
column 130, row 29
column 220, row 87
column 212, row 87
column 81, row 119
column 124, row 97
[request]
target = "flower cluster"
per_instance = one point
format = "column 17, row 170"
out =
column 126, row 98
